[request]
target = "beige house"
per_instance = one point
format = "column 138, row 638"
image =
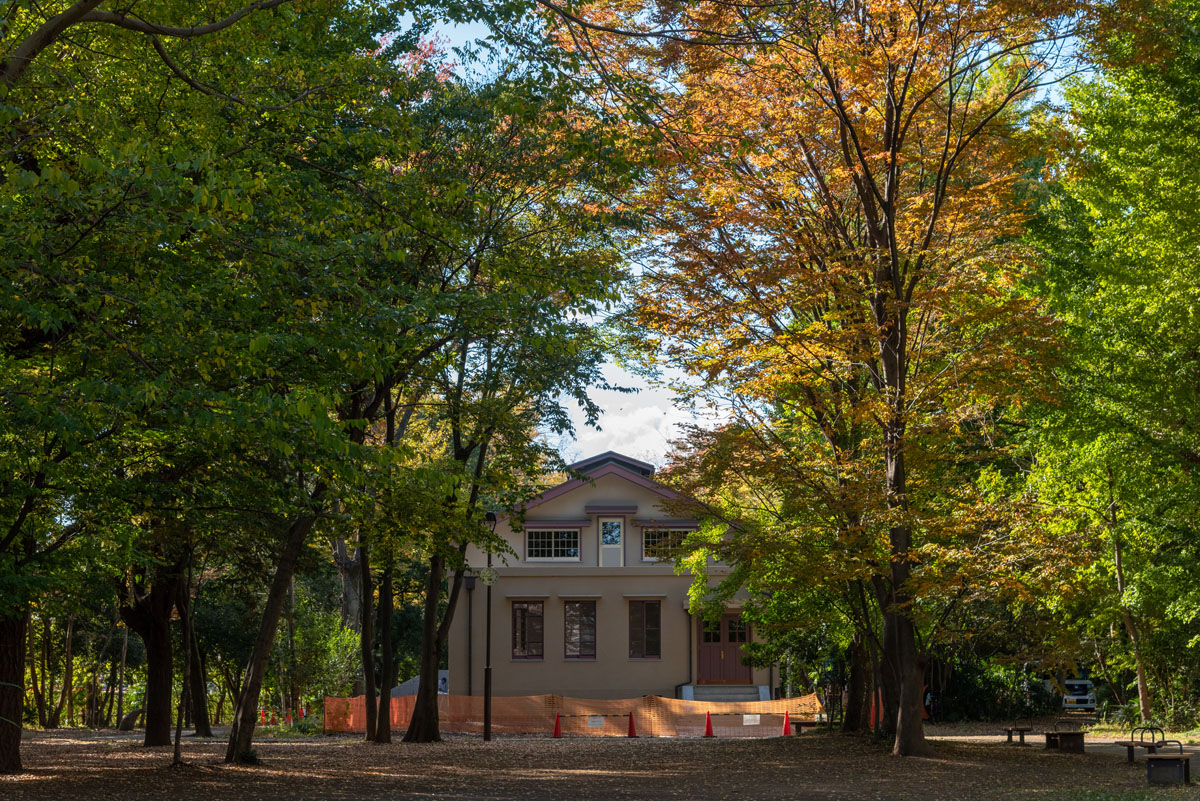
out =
column 588, row 609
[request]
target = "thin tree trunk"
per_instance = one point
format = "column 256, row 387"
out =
column 110, row 697
column 49, row 721
column 197, row 694
column 1144, row 700
column 182, row 604
column 66, row 698
column 291, row 626
column 367, row 639
column 245, row 716
column 39, row 697
column 12, row 687
column 121, row 677
column 220, row 705
column 387, row 679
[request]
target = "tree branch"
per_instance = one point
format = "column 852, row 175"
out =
column 85, row 11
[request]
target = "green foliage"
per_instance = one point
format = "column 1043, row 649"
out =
column 1116, row 460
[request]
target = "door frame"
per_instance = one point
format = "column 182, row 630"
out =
column 721, row 662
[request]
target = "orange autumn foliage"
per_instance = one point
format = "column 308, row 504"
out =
column 836, row 266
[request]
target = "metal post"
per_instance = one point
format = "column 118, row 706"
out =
column 487, row 647
column 487, row 665
column 469, row 582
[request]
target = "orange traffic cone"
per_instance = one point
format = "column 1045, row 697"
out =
column 708, row 732
column 632, row 731
column 557, row 726
column 787, row 724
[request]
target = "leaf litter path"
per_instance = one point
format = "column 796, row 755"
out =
column 816, row 767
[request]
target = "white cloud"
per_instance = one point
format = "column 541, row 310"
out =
column 639, row 424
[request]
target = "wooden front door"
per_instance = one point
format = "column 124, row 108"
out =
column 719, row 647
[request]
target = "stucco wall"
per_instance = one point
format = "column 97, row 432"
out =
column 612, row 674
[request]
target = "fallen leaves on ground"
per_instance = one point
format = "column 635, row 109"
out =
column 70, row 765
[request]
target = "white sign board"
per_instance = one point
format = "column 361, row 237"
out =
column 750, row 720
column 595, row 721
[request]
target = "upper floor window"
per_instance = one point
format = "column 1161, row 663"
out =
column 527, row 629
column 552, row 545
column 659, row 544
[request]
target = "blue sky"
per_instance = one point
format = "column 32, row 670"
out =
column 639, row 424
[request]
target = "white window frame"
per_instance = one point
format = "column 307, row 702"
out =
column 619, row 547
column 670, row 531
column 578, row 545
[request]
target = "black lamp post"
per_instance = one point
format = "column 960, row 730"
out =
column 488, row 577
column 469, row 583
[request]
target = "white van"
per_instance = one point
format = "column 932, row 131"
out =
column 1079, row 694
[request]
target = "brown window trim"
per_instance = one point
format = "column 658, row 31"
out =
column 541, row 652
column 640, row 637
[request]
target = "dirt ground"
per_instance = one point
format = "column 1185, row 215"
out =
column 968, row 767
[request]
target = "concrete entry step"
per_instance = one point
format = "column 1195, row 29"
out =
column 725, row 692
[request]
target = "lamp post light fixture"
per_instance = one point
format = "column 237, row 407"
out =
column 488, row 577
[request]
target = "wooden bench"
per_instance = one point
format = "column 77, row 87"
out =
column 1019, row 731
column 1070, row 742
column 1169, row 768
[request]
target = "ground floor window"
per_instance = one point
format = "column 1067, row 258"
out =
column 579, row 629
column 645, row 629
column 527, row 629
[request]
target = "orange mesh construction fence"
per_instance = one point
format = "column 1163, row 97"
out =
column 653, row 715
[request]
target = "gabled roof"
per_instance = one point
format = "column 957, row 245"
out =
column 629, row 463
column 606, row 464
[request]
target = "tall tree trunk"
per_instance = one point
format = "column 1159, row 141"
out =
column 197, row 692
column 245, row 716
column 110, row 697
column 887, row 668
column 291, row 627
column 66, row 699
column 351, row 597
column 48, row 721
column 387, row 678
column 216, row 721
column 12, row 687
column 149, row 615
column 425, row 726
column 181, row 603
column 95, row 698
column 860, row 669
column 902, row 665
column 39, row 698
column 367, row 639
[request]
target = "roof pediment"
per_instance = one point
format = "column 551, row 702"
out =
column 586, row 466
column 607, row 464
